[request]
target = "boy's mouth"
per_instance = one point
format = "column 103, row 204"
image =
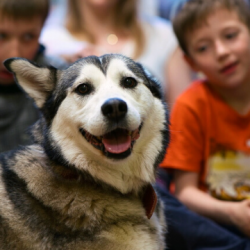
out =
column 230, row 68
column 6, row 75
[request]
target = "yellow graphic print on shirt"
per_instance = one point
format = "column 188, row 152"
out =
column 229, row 175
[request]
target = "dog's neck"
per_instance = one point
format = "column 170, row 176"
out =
column 148, row 195
column 129, row 177
column 65, row 173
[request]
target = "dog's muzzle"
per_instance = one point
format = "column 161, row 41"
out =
column 118, row 143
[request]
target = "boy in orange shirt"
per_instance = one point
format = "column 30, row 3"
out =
column 209, row 152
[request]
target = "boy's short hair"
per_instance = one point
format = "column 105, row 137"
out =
column 194, row 13
column 24, row 9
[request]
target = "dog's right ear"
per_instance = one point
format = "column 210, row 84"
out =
column 37, row 82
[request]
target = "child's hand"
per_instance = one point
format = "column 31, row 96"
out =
column 224, row 212
column 239, row 213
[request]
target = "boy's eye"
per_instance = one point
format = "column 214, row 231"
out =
column 231, row 35
column 202, row 48
column 3, row 36
column 28, row 37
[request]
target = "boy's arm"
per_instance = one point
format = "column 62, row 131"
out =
column 225, row 212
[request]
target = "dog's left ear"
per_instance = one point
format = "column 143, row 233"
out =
column 37, row 82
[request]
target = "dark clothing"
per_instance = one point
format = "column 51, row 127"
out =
column 18, row 111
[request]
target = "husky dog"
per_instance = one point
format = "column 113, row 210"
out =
column 85, row 183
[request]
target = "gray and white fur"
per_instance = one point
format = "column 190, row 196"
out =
column 83, row 183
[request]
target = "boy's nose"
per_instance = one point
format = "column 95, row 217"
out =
column 221, row 49
column 14, row 49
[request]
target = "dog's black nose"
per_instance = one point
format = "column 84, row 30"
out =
column 114, row 109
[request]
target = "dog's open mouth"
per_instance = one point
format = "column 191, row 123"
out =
column 116, row 144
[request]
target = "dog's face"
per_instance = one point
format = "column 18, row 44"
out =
column 103, row 115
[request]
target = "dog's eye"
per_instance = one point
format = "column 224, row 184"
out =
column 129, row 82
column 83, row 89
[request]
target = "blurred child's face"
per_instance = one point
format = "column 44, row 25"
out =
column 18, row 38
column 221, row 50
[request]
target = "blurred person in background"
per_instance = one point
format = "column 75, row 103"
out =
column 20, row 26
column 168, row 8
column 96, row 27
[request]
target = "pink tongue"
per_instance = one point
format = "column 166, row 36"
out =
column 117, row 141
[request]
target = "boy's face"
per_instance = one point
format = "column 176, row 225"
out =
column 18, row 38
column 221, row 50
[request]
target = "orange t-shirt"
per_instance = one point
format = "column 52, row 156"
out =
column 212, row 139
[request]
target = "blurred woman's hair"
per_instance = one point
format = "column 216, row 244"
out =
column 126, row 19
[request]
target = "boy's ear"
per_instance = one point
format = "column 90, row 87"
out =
column 191, row 63
column 37, row 82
